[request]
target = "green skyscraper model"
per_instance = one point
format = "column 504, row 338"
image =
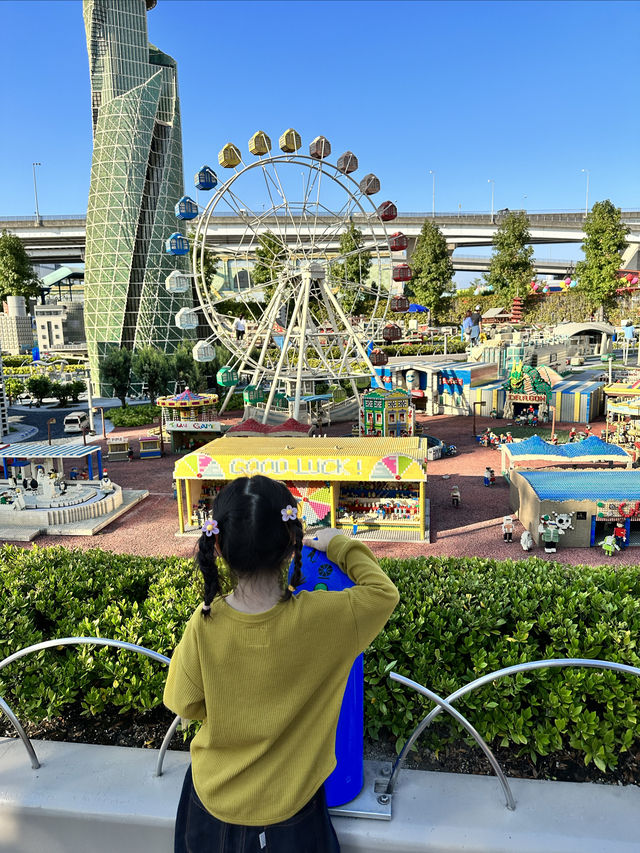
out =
column 136, row 179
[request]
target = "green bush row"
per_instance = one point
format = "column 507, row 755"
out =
column 457, row 619
column 134, row 416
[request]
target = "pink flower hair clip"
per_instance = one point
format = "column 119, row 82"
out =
column 210, row 527
column 289, row 513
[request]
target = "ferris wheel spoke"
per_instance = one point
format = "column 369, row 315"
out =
column 241, row 208
column 274, row 206
column 296, row 226
column 336, row 224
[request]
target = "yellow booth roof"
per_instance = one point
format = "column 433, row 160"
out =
column 344, row 459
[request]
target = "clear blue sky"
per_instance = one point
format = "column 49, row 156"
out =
column 524, row 93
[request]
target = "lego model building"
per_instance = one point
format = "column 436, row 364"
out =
column 387, row 413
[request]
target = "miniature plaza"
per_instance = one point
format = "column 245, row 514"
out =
column 432, row 350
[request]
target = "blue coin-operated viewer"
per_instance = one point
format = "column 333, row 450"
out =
column 347, row 779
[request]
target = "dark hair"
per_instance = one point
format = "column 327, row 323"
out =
column 253, row 539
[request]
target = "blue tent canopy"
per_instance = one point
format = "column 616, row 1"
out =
column 414, row 308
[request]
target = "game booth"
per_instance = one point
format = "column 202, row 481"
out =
column 592, row 502
column 372, row 488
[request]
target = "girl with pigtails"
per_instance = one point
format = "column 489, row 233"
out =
column 266, row 671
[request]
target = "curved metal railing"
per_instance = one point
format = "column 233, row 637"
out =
column 83, row 641
column 443, row 704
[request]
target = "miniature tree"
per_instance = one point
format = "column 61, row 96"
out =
column 604, row 243
column 115, row 372
column 39, row 387
column 510, row 268
column 16, row 271
column 432, row 268
column 353, row 272
column 14, row 388
column 154, row 369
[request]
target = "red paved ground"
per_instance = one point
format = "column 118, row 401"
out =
column 473, row 529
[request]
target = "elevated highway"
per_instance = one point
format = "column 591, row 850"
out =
column 61, row 239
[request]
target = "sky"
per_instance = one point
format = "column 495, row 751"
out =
column 526, row 94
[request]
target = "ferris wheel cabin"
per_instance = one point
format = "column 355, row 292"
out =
column 177, row 244
column 205, row 179
column 186, row 208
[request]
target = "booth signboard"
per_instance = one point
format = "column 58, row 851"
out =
column 359, row 484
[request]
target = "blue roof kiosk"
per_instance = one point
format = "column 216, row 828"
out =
column 28, row 453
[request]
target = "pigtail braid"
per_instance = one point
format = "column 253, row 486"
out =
column 207, row 562
column 296, row 576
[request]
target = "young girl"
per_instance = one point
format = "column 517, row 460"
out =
column 266, row 671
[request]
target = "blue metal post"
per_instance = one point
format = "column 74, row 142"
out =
column 99, row 464
column 90, row 466
column 4, row 465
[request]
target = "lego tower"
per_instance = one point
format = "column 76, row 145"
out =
column 136, row 179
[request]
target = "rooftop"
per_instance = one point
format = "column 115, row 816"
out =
column 584, row 485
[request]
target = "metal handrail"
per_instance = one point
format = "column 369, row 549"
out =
column 486, row 679
column 443, row 705
column 83, row 641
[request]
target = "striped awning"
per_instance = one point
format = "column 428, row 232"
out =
column 43, row 450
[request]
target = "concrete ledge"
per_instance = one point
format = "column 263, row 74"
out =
column 103, row 798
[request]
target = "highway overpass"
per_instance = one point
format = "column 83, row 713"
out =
column 61, row 239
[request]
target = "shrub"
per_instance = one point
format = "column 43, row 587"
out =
column 457, row 619
column 133, row 416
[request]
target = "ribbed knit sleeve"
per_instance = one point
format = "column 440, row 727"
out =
column 374, row 596
column 184, row 691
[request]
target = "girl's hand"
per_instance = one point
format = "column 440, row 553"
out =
column 321, row 538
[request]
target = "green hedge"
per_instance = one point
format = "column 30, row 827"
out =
column 457, row 619
column 133, row 416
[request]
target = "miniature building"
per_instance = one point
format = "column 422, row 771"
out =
column 4, row 416
column 496, row 315
column 370, row 487
column 16, row 332
column 190, row 419
column 60, row 326
column 150, row 447
column 598, row 498
column 387, row 413
column 117, row 449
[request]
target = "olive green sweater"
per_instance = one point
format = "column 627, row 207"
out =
column 269, row 688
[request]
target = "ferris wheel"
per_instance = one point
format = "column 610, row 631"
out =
column 304, row 262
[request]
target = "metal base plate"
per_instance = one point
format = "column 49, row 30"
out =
column 367, row 803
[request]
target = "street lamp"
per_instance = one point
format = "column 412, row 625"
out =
column 586, row 204
column 433, row 194
column 49, row 422
column 480, row 403
column 493, row 189
column 35, row 190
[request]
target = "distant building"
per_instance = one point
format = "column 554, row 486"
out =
column 136, row 180
column 60, row 326
column 16, row 332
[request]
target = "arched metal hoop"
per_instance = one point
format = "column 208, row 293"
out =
column 81, row 641
column 443, row 705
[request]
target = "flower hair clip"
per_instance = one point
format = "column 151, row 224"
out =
column 289, row 513
column 210, row 527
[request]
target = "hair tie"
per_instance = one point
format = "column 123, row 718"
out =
column 210, row 527
column 289, row 513
column 206, row 608
column 291, row 588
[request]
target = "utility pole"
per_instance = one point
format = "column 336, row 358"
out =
column 35, row 191
column 586, row 204
column 493, row 188
column 433, row 194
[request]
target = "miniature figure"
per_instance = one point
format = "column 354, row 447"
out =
column 572, row 434
column 507, row 529
column 130, row 454
column 609, row 545
column 492, row 477
column 487, row 476
column 620, row 534
column 509, row 439
column 526, row 540
column 455, row 495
